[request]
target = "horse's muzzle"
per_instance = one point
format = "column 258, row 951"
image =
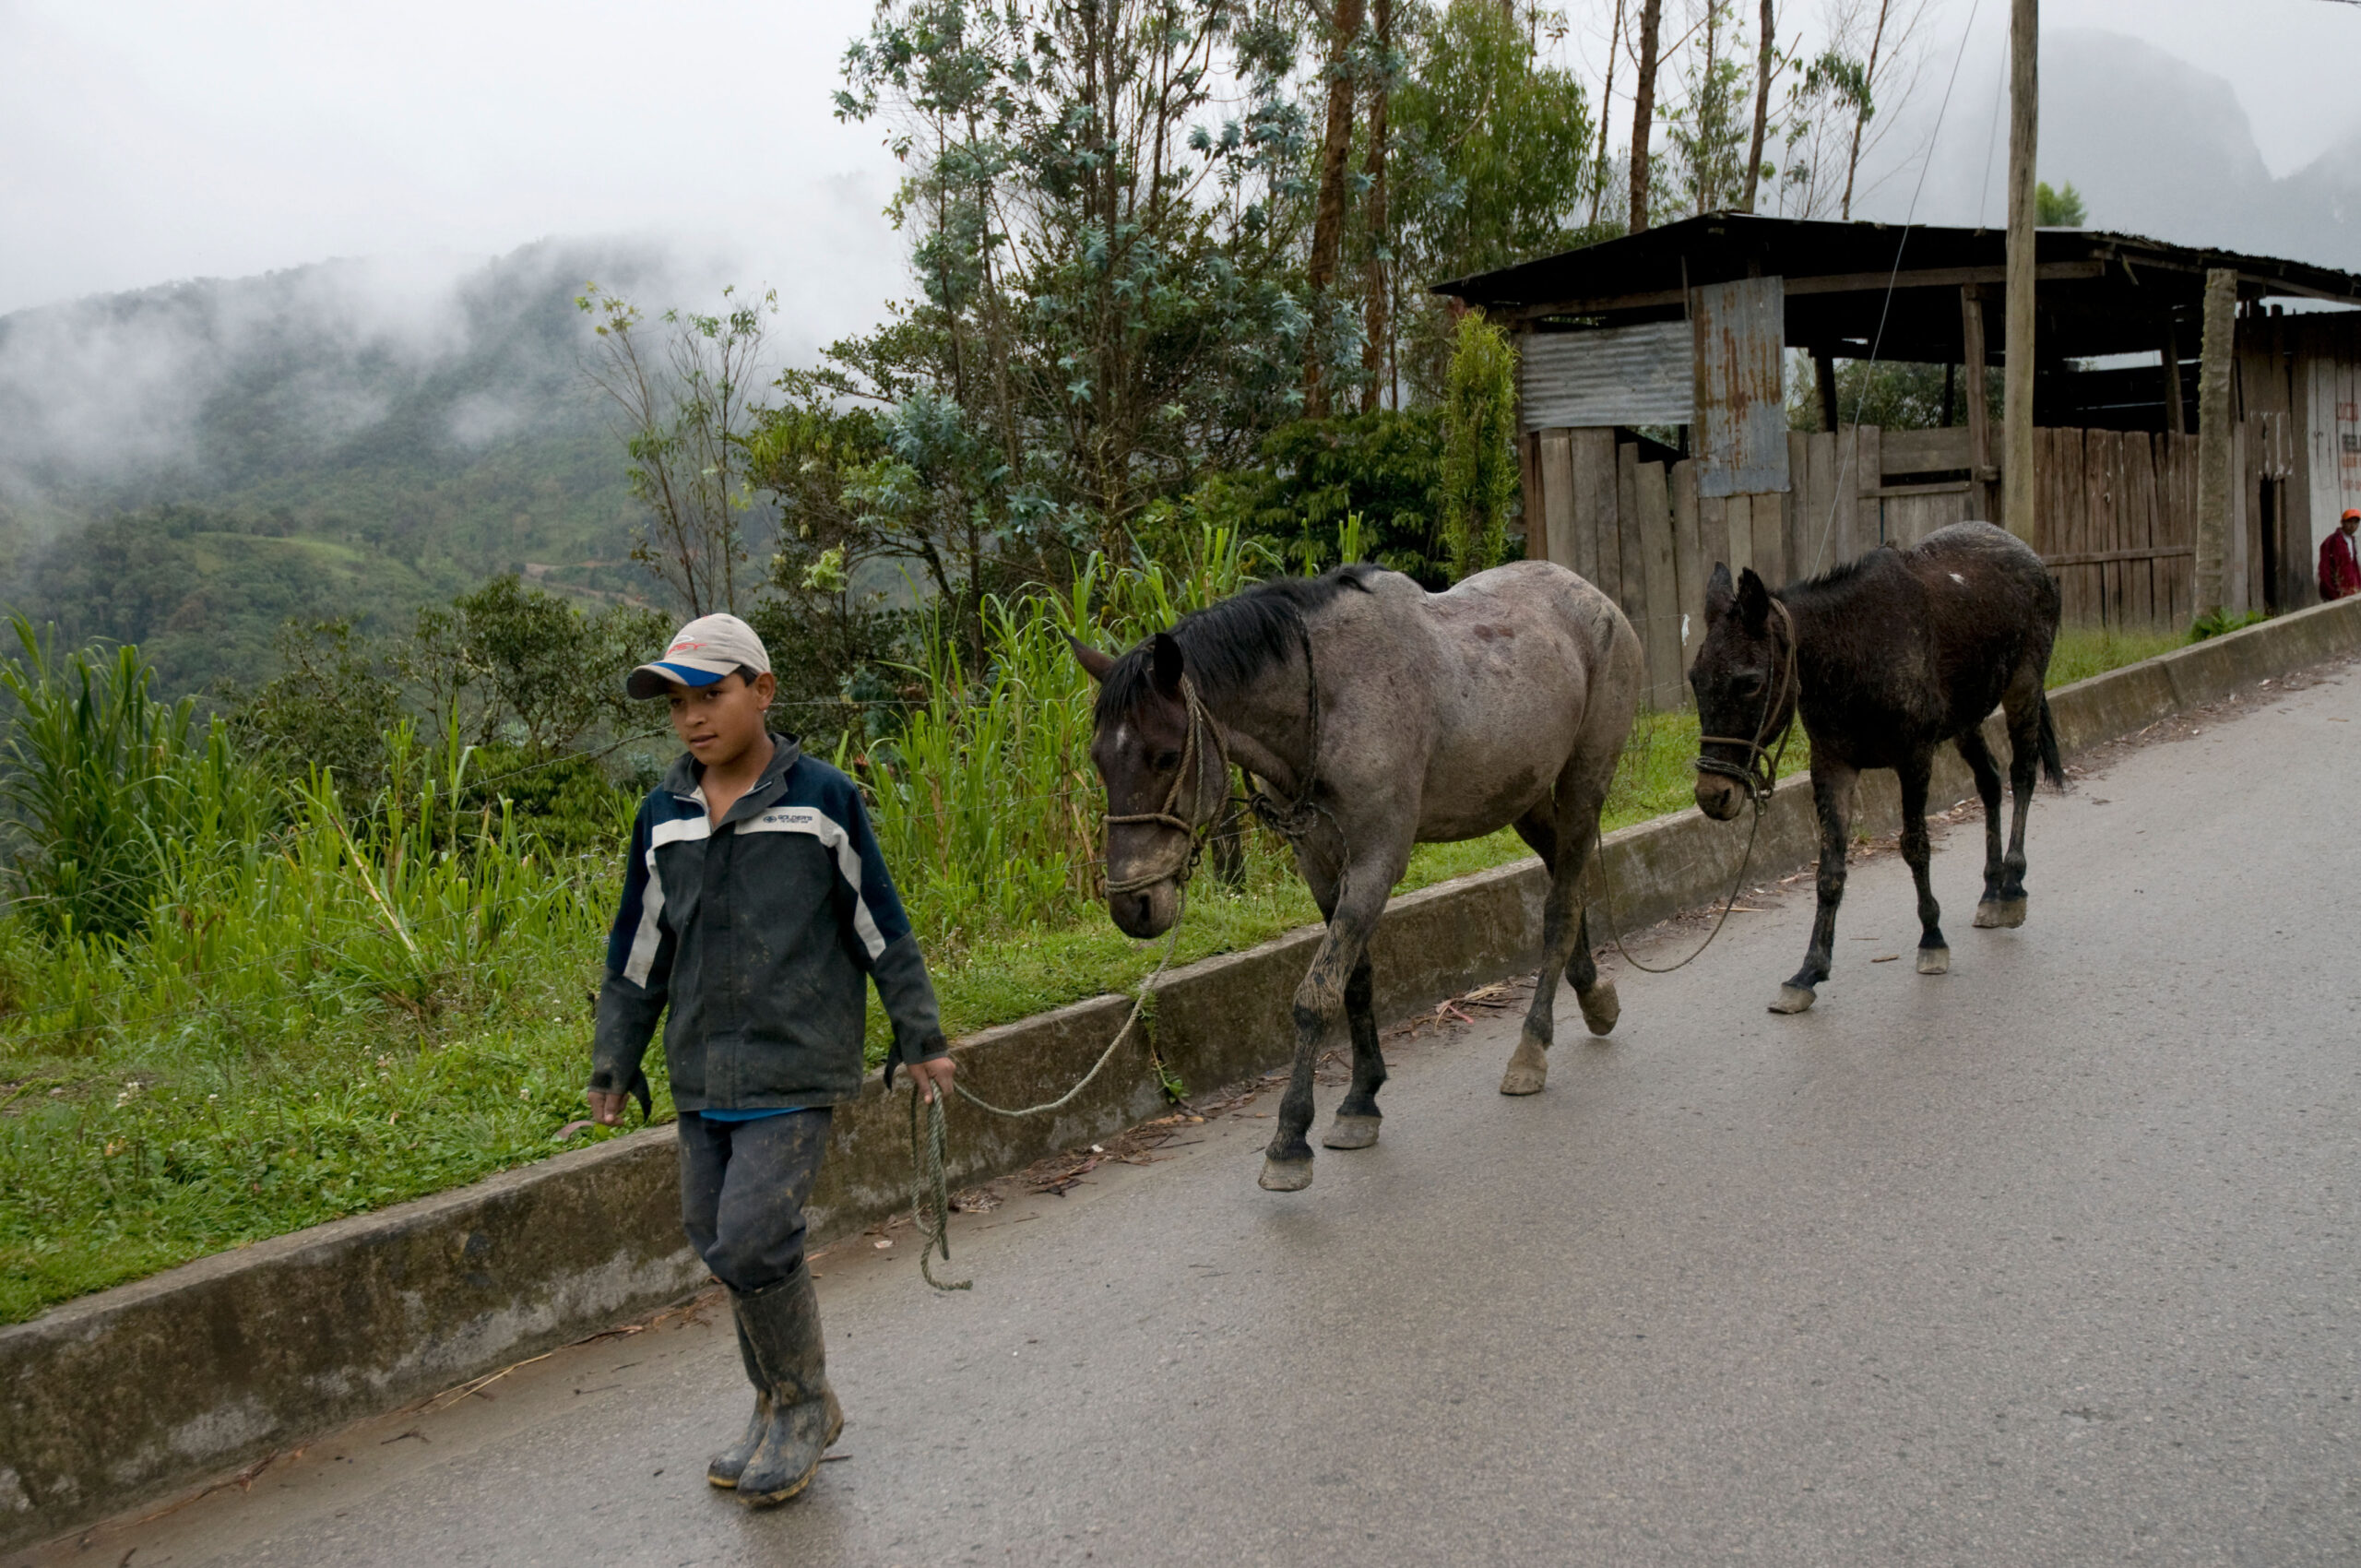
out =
column 1719, row 797
column 1148, row 912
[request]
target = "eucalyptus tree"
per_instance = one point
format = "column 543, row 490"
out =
column 1105, row 200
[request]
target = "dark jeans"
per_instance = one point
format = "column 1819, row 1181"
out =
column 744, row 1185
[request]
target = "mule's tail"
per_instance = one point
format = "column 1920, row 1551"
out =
column 2049, row 763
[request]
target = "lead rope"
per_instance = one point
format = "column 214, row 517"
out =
column 1759, row 773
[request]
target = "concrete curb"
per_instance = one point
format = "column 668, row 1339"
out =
column 136, row 1392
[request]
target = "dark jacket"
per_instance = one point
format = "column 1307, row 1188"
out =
column 757, row 932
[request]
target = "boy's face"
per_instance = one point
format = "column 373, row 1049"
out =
column 721, row 722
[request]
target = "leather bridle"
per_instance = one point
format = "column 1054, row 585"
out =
column 1760, row 772
column 1292, row 820
column 1178, row 871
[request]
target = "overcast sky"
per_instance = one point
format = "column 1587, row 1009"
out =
column 142, row 141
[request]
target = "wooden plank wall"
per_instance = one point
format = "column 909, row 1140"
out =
column 2118, row 524
column 2117, row 520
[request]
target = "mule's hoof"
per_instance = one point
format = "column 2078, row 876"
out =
column 1350, row 1131
column 1285, row 1175
column 1793, row 999
column 1601, row 1006
column 1934, row 960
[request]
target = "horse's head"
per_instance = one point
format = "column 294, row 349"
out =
column 1161, row 761
column 1745, row 681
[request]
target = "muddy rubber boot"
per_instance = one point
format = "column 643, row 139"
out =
column 782, row 1324
column 724, row 1467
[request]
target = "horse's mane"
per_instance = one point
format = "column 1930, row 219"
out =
column 1226, row 645
column 1807, row 590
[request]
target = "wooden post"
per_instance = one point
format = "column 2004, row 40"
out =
column 1823, row 370
column 2175, row 410
column 2213, row 443
column 1979, row 418
column 2025, row 107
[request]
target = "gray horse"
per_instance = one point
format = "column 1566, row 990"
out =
column 1373, row 716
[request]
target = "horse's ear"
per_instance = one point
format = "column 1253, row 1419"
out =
column 1753, row 602
column 1164, row 665
column 1719, row 594
column 1094, row 664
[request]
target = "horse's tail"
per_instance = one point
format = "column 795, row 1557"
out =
column 2049, row 763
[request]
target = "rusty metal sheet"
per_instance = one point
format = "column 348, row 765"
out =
column 1741, row 418
column 1620, row 375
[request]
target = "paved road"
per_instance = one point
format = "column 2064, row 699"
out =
column 2051, row 1260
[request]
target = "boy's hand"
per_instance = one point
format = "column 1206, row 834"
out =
column 606, row 1107
column 925, row 1076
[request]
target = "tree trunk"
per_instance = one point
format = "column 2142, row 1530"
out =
column 1606, row 106
column 1863, row 109
column 1763, row 56
column 1376, row 323
column 1328, row 214
column 1643, row 110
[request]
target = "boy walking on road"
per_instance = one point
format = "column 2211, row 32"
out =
column 755, row 902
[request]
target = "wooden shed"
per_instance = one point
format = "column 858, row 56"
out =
column 1655, row 438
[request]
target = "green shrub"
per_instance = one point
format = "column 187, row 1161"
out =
column 1479, row 469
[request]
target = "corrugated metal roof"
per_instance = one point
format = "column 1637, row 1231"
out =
column 1624, row 376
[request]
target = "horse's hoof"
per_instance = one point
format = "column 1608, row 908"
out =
column 1350, row 1131
column 1994, row 913
column 1934, row 960
column 1521, row 1079
column 1793, row 999
column 1528, row 1067
column 1601, row 1006
column 1285, row 1175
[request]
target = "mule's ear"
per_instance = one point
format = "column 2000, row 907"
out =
column 1094, row 664
column 1164, row 665
column 1720, row 594
column 1753, row 602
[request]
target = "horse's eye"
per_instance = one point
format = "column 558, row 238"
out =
column 1167, row 761
column 1747, row 684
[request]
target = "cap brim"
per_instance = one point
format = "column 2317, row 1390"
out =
column 654, row 680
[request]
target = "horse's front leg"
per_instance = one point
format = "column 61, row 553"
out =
column 1565, row 951
column 1832, row 795
column 1934, row 952
column 1287, row 1164
column 1357, row 1119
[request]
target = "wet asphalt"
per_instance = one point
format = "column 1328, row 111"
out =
column 2048, row 1259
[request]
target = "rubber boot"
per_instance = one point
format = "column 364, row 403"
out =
column 783, row 1326
column 724, row 1467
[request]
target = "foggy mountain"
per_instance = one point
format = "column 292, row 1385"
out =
column 189, row 466
column 2156, row 145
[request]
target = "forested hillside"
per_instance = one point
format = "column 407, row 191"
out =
column 190, row 465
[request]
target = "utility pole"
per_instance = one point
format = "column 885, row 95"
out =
column 2016, row 391
column 2214, row 436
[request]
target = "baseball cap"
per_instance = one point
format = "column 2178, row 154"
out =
column 2350, row 515
column 707, row 649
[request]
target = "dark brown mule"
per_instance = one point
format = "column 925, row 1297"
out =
column 1886, row 658
column 1374, row 716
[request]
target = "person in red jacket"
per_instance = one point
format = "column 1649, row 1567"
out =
column 2340, row 572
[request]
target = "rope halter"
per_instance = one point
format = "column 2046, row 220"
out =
column 1760, row 771
column 1202, row 735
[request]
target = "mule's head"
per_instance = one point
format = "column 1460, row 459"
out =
column 1141, row 749
column 1741, row 682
